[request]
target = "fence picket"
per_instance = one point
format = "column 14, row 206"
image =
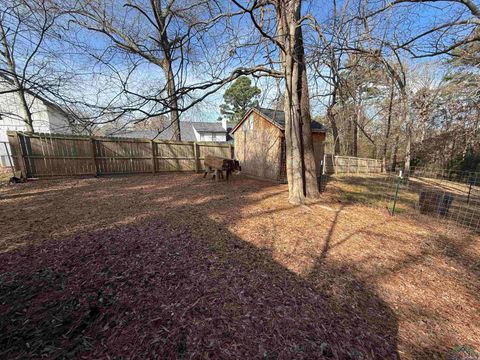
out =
column 50, row 155
column 350, row 165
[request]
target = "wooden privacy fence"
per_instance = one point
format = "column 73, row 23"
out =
column 351, row 165
column 49, row 155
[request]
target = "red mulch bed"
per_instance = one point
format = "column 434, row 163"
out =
column 173, row 267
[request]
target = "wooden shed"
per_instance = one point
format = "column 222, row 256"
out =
column 260, row 143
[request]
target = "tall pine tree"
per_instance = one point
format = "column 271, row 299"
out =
column 239, row 98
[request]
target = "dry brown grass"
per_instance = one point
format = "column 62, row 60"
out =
column 342, row 271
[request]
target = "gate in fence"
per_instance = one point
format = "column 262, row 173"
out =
column 50, row 155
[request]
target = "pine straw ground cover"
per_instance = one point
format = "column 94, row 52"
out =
column 176, row 266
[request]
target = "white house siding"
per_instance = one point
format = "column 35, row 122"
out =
column 209, row 135
column 197, row 134
column 212, row 136
column 57, row 121
column 46, row 118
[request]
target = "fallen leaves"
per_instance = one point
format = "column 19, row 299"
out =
column 176, row 266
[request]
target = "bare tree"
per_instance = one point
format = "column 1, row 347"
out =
column 287, row 37
column 24, row 29
column 327, row 61
column 301, row 169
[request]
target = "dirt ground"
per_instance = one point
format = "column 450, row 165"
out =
column 177, row 266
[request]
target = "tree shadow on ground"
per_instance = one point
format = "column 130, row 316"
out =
column 179, row 284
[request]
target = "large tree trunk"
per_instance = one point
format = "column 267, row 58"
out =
column 356, row 122
column 173, row 103
column 355, row 139
column 168, row 68
column 335, row 134
column 394, row 154
column 389, row 126
column 20, row 90
column 301, row 169
column 408, row 150
column 407, row 122
column 349, row 143
column 27, row 114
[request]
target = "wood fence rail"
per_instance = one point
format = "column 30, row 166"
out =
column 50, row 155
column 351, row 165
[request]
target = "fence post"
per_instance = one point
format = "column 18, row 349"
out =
column 94, row 157
column 469, row 191
column 12, row 167
column 154, row 157
column 195, row 155
column 17, row 151
column 399, row 179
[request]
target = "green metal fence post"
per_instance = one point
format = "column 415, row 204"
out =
column 399, row 179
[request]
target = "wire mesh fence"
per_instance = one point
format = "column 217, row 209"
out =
column 452, row 196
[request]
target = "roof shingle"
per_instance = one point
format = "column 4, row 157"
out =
column 186, row 130
column 278, row 117
column 208, row 127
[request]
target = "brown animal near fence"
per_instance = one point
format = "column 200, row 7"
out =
column 218, row 165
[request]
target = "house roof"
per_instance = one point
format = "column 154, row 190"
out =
column 186, row 130
column 9, row 80
column 277, row 118
column 208, row 127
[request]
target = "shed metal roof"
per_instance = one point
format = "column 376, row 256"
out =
column 277, row 117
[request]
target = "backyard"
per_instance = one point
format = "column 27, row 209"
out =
column 177, row 266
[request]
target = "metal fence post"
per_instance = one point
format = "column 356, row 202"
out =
column 399, row 179
column 469, row 190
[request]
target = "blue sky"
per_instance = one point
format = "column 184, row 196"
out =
column 97, row 82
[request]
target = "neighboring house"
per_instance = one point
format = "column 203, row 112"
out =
column 189, row 131
column 260, row 143
column 47, row 116
column 210, row 131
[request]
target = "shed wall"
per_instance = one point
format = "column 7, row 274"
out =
column 318, row 149
column 257, row 147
